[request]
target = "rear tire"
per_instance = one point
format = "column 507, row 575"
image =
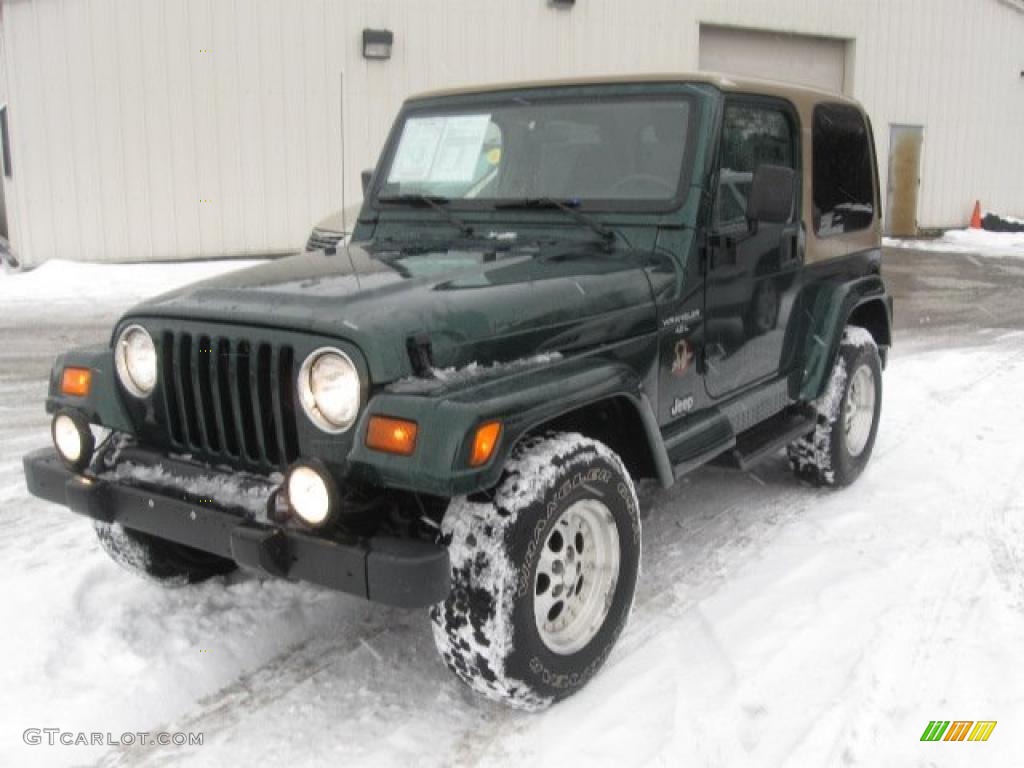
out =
column 543, row 572
column 848, row 413
column 165, row 562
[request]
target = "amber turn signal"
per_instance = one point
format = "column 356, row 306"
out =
column 391, row 435
column 76, row 381
column 484, row 442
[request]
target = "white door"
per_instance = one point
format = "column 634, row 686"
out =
column 804, row 59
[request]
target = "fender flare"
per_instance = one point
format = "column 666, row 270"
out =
column 103, row 403
column 829, row 310
column 523, row 401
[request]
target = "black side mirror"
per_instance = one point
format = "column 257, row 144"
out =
column 367, row 177
column 772, row 194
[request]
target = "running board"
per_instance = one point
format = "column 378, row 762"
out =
column 767, row 438
column 694, row 444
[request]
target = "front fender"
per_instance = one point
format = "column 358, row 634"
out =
column 828, row 310
column 103, row 404
column 522, row 402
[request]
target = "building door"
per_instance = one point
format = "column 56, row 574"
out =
column 904, row 179
column 805, row 59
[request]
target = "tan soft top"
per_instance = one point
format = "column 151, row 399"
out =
column 722, row 81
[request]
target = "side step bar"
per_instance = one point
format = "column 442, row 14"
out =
column 767, row 438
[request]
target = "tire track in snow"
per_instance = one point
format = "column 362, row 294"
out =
column 246, row 696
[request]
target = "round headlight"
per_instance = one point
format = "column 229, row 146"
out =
column 73, row 439
column 135, row 358
column 329, row 389
column 310, row 495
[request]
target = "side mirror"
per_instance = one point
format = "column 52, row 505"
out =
column 772, row 194
column 367, row 177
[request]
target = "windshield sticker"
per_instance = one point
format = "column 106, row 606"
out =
column 416, row 150
column 444, row 149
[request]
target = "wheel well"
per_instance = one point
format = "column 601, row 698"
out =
column 872, row 316
column 616, row 423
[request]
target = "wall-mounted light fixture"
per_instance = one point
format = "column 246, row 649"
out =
column 377, row 43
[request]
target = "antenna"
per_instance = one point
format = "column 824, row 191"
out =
column 344, row 176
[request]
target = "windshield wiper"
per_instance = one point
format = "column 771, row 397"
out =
column 567, row 207
column 437, row 202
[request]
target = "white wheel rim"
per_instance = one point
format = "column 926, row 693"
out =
column 577, row 571
column 859, row 414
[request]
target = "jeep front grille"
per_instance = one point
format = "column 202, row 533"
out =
column 229, row 399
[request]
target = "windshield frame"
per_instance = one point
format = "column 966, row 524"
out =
column 568, row 94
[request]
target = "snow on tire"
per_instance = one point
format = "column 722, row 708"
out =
column 839, row 448
column 167, row 563
column 543, row 572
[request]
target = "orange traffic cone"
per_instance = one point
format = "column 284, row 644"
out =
column 976, row 216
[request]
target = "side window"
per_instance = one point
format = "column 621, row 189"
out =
column 752, row 134
column 843, row 182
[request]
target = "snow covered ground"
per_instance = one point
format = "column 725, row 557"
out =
column 973, row 242
column 61, row 284
column 774, row 625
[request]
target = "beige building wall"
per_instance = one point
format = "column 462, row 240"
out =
column 161, row 129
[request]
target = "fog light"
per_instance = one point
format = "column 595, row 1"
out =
column 311, row 494
column 73, row 439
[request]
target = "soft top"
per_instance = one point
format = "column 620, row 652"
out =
column 723, row 81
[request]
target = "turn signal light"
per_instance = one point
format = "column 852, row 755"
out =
column 484, row 443
column 391, row 435
column 76, row 381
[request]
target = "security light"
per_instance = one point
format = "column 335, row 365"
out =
column 377, row 43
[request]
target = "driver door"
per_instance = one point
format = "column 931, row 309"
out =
column 753, row 266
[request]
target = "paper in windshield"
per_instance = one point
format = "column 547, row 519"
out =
column 444, row 149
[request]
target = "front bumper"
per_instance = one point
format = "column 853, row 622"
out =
column 401, row 572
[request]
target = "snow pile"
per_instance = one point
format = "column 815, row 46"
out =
column 60, row 282
column 445, row 378
column 977, row 241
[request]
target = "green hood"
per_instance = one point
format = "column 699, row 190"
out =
column 476, row 303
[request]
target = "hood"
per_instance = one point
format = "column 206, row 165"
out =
column 480, row 304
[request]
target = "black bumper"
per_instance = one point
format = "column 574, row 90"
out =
column 406, row 573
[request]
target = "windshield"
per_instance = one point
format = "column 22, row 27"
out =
column 607, row 150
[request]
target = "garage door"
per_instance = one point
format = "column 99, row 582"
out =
column 817, row 61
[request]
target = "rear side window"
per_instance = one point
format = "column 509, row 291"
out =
column 843, row 182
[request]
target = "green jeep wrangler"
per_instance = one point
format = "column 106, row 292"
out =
column 552, row 291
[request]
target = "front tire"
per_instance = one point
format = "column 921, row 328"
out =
column 543, row 572
column 839, row 448
column 167, row 563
